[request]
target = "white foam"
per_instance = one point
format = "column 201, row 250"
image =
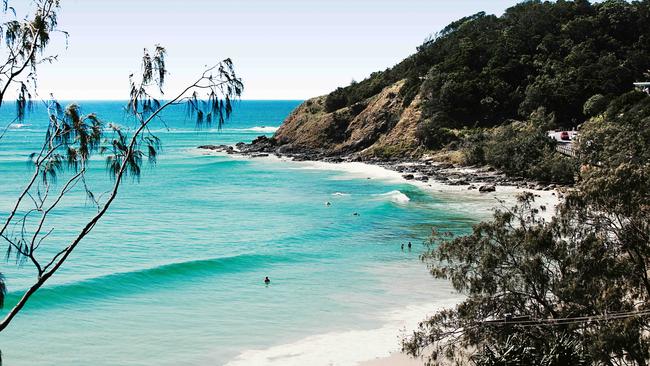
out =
column 266, row 129
column 395, row 196
column 457, row 197
column 16, row 126
column 346, row 348
column 340, row 194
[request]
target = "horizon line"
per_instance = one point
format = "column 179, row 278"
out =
column 12, row 101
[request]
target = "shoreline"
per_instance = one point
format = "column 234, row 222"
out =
column 481, row 183
column 546, row 199
column 350, row 347
column 425, row 169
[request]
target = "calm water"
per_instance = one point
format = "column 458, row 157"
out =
column 173, row 274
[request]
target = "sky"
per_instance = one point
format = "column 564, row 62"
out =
column 283, row 49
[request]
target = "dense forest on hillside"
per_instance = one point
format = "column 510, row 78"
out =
column 484, row 70
column 573, row 290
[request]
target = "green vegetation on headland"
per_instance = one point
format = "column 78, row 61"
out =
column 486, row 89
column 574, row 290
column 483, row 70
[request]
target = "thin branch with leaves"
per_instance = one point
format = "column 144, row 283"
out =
column 73, row 138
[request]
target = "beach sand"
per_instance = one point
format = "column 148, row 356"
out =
column 395, row 359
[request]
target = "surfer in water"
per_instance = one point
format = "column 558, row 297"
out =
column 266, row 280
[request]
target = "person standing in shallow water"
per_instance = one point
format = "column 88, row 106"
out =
column 409, row 245
column 267, row 280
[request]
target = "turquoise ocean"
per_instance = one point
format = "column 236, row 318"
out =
column 173, row 274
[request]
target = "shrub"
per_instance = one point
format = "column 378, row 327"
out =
column 595, row 105
column 433, row 133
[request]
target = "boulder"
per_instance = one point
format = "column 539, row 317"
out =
column 286, row 148
column 487, row 188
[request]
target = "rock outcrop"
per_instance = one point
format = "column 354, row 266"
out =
column 380, row 126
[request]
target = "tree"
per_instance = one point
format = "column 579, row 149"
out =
column 25, row 41
column 595, row 105
column 575, row 285
column 60, row 166
column 484, row 70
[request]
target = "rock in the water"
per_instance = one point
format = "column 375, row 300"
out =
column 221, row 148
column 487, row 188
column 261, row 144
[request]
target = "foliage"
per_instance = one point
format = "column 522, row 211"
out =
column 432, row 132
column 520, row 149
column 575, row 289
column 483, row 70
column 25, row 41
column 517, row 350
column 553, row 167
column 595, row 105
column 390, row 152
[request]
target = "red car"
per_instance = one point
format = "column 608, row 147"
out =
column 564, row 135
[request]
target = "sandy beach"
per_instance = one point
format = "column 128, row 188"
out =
column 395, row 359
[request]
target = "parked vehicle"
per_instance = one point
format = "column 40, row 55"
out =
column 564, row 135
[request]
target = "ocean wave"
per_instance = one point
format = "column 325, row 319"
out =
column 142, row 279
column 16, row 126
column 266, row 129
column 340, row 194
column 395, row 196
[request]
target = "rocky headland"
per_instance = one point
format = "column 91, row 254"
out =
column 379, row 130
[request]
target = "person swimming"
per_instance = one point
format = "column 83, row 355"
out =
column 402, row 246
column 267, row 280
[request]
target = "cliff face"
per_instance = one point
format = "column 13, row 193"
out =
column 378, row 126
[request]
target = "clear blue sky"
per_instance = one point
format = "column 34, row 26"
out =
column 282, row 49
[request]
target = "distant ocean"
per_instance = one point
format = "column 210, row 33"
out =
column 173, row 275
